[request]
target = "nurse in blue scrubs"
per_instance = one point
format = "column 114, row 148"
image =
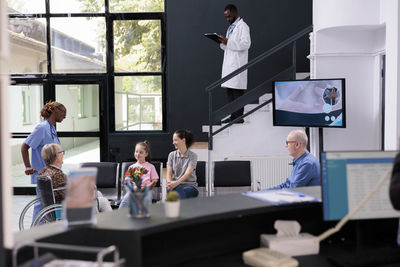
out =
column 44, row 133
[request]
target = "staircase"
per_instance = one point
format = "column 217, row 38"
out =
column 256, row 137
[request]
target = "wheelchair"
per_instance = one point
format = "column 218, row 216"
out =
column 50, row 210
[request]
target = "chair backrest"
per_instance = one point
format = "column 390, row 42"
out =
column 201, row 173
column 45, row 186
column 124, row 167
column 107, row 173
column 232, row 173
column 159, row 168
column 158, row 165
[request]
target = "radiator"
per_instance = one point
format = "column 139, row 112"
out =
column 268, row 171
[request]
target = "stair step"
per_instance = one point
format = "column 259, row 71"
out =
column 264, row 98
column 215, row 128
column 249, row 107
column 302, row 75
column 199, row 145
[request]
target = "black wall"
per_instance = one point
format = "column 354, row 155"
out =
column 194, row 62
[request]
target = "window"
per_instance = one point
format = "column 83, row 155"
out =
column 27, row 46
column 138, row 103
column 26, row 106
column 22, row 6
column 27, row 101
column 78, row 51
column 136, row 6
column 138, row 90
column 137, row 46
column 67, row 51
column 78, row 100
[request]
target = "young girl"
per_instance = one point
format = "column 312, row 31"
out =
column 149, row 179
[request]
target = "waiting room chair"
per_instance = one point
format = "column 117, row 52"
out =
column 232, row 176
column 107, row 179
column 50, row 210
column 201, row 178
column 158, row 165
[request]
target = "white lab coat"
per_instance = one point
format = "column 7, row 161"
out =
column 236, row 55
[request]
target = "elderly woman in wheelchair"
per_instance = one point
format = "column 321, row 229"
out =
column 51, row 183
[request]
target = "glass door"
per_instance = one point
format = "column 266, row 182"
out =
column 26, row 102
column 79, row 132
column 82, row 133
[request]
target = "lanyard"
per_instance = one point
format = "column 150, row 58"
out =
column 232, row 26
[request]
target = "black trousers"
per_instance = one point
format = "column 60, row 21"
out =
column 232, row 94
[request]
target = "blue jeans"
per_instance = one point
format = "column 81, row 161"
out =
column 126, row 200
column 186, row 191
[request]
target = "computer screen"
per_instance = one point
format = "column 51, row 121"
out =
column 347, row 177
column 309, row 103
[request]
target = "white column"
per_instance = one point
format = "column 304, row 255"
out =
column 392, row 97
column 5, row 153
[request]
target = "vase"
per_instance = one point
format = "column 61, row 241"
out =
column 139, row 203
column 172, row 208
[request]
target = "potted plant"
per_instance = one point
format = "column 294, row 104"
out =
column 172, row 205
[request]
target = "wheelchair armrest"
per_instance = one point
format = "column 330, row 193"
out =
column 60, row 188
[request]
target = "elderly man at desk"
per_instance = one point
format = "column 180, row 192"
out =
column 306, row 169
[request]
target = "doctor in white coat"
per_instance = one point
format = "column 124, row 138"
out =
column 236, row 45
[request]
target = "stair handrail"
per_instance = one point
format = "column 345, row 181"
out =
column 260, row 57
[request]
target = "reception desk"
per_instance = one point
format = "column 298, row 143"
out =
column 210, row 231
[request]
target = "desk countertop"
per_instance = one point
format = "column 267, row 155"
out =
column 207, row 217
column 198, row 210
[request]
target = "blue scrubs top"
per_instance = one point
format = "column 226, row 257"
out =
column 44, row 133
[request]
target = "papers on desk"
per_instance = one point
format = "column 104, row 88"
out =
column 280, row 197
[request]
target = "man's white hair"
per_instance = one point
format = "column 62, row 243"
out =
column 300, row 136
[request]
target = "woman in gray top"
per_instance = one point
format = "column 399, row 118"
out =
column 181, row 166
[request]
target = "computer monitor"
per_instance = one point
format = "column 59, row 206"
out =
column 347, row 177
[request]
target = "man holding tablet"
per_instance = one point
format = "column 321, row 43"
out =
column 236, row 45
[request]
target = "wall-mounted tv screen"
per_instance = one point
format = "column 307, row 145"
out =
column 309, row 103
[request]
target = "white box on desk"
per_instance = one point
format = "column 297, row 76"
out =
column 302, row 244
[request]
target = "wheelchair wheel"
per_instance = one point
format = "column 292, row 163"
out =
column 26, row 217
column 47, row 215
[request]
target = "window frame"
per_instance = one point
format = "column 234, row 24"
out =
column 106, row 110
column 110, row 62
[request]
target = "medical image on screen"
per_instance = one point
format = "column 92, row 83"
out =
column 311, row 103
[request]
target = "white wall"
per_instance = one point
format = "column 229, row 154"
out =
column 348, row 41
column 334, row 13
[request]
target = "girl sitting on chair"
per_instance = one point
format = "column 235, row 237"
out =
column 149, row 179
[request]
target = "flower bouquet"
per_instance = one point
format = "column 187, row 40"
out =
column 133, row 177
column 140, row 197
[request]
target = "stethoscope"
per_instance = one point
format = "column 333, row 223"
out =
column 53, row 132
